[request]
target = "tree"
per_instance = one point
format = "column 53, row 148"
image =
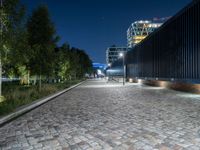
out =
column 71, row 63
column 62, row 64
column 42, row 41
column 11, row 14
column 80, row 63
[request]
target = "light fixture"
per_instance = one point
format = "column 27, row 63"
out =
column 121, row 54
column 140, row 81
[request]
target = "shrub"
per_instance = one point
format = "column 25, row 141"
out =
column 18, row 95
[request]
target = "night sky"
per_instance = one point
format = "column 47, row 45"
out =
column 94, row 25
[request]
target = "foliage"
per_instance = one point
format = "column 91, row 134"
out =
column 72, row 62
column 12, row 14
column 28, row 48
column 41, row 38
column 31, row 48
column 17, row 95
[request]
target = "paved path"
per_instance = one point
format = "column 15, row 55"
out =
column 99, row 115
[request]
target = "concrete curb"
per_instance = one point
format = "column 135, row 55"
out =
column 33, row 105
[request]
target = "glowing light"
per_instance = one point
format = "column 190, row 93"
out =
column 140, row 81
column 121, row 54
column 163, row 84
column 130, row 80
column 99, row 72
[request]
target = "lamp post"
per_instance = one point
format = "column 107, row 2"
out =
column 122, row 54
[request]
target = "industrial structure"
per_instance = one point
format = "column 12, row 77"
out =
column 139, row 30
column 112, row 53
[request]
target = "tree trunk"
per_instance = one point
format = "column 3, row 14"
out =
column 35, row 80
column 40, row 83
column 28, row 77
column 0, row 78
column 1, row 48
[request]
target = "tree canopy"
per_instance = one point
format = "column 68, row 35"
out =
column 29, row 46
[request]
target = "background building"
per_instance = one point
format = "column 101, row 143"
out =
column 112, row 53
column 139, row 30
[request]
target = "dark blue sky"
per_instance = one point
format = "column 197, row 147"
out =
column 94, row 25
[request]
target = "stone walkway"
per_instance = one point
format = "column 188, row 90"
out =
column 99, row 115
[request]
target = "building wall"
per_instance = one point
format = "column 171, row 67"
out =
column 172, row 52
column 112, row 53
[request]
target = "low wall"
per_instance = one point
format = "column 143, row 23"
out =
column 179, row 86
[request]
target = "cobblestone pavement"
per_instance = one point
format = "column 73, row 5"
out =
column 99, row 115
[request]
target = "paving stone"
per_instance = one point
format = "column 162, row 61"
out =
column 99, row 115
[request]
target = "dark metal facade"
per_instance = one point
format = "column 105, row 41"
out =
column 172, row 52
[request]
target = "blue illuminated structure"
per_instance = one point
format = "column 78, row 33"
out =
column 99, row 69
column 99, row 66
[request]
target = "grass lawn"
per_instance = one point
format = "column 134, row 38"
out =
column 18, row 95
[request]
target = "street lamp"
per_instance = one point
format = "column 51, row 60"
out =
column 122, row 55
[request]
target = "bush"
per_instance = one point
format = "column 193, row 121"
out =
column 18, row 95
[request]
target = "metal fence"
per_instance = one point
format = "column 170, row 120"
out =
column 172, row 52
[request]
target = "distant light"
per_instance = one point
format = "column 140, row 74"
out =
column 121, row 54
column 109, row 65
column 99, row 72
column 140, row 81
